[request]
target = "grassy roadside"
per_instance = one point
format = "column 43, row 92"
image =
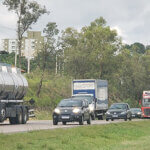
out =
column 122, row 136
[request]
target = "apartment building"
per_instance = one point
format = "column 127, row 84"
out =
column 31, row 44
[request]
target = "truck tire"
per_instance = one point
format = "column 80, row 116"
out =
column 24, row 116
column 12, row 120
column 2, row 112
column 89, row 120
column 81, row 121
column 19, row 118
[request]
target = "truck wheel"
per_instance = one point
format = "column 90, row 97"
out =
column 99, row 117
column 24, row 116
column 12, row 120
column 89, row 120
column 81, row 122
column 112, row 119
column 64, row 122
column 55, row 122
column 19, row 118
column 107, row 119
column 2, row 112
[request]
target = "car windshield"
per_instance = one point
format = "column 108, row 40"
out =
column 70, row 103
column 118, row 106
column 89, row 98
column 135, row 110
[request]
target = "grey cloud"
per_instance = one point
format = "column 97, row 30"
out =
column 130, row 16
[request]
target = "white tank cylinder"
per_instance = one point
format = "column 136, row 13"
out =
column 13, row 85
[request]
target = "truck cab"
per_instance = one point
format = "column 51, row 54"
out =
column 145, row 104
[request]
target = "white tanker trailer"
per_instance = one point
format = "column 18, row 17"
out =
column 13, row 87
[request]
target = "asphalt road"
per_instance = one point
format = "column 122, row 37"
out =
column 46, row 124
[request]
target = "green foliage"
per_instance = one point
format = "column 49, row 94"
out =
column 10, row 59
column 54, row 89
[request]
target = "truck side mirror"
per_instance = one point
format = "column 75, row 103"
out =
column 31, row 101
column 95, row 99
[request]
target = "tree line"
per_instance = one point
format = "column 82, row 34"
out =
column 96, row 51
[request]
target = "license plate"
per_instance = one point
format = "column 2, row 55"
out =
column 115, row 115
column 65, row 117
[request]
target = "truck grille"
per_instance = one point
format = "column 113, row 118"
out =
column 147, row 112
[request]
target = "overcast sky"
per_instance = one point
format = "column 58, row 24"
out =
column 131, row 18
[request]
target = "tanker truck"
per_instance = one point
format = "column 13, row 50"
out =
column 13, row 88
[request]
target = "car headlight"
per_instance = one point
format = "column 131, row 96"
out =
column 139, row 113
column 91, row 108
column 57, row 111
column 124, row 112
column 107, row 112
column 76, row 110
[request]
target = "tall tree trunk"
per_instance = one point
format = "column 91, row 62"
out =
column 40, row 84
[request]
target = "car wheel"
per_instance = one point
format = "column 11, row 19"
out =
column 125, row 119
column 64, row 122
column 93, row 116
column 130, row 118
column 81, row 122
column 112, row 119
column 55, row 122
column 107, row 119
column 89, row 120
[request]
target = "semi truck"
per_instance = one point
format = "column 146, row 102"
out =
column 13, row 88
column 96, row 89
column 145, row 108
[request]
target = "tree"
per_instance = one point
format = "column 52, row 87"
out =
column 49, row 49
column 138, row 48
column 28, row 13
column 88, row 53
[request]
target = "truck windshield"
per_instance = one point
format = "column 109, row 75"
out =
column 70, row 103
column 89, row 98
column 146, row 102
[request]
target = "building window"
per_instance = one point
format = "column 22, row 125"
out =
column 13, row 47
column 13, row 43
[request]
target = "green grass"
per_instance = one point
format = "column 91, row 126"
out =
column 121, row 136
column 41, row 114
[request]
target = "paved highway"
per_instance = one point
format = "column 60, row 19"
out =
column 46, row 124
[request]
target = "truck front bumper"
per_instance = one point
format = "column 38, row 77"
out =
column 67, row 117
